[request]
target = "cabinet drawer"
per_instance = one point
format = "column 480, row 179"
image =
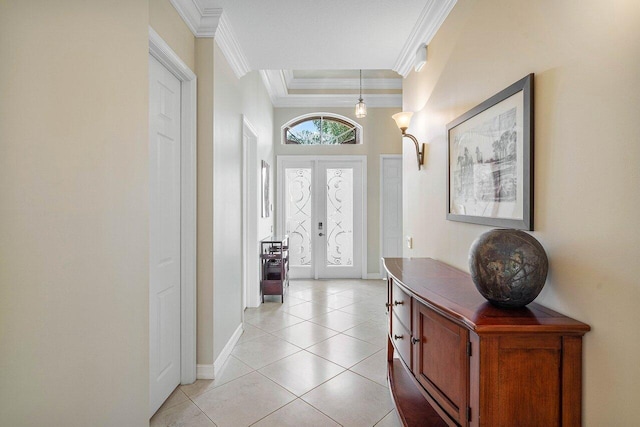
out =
column 401, row 305
column 401, row 338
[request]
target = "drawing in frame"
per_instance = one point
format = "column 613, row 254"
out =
column 266, row 202
column 490, row 160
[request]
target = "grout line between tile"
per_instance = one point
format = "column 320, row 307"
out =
column 223, row 384
column 163, row 408
column 200, row 409
column 366, row 378
column 380, row 420
column 317, row 409
column 314, row 298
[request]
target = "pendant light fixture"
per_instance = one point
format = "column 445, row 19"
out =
column 361, row 108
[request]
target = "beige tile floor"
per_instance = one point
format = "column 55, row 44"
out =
column 319, row 359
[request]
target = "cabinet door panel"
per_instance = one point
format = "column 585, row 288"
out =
column 528, row 383
column 443, row 364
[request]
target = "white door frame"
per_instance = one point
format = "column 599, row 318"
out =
column 161, row 51
column 281, row 228
column 383, row 157
column 250, row 274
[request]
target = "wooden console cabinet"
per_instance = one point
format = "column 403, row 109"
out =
column 464, row 362
column 274, row 266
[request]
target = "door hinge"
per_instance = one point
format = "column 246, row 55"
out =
column 468, row 413
column 468, row 348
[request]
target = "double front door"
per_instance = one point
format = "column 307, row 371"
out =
column 321, row 209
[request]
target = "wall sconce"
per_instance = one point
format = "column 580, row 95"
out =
column 421, row 58
column 402, row 120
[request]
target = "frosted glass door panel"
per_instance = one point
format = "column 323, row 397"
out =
column 339, row 205
column 320, row 208
column 298, row 215
column 340, row 220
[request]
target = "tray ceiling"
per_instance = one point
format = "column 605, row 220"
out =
column 314, row 43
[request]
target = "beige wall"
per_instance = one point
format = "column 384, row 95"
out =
column 381, row 136
column 204, row 71
column 198, row 54
column 74, row 205
column 233, row 98
column 165, row 20
column 74, row 213
column 586, row 60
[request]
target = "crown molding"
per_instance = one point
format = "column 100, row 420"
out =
column 201, row 16
column 228, row 43
column 288, row 76
column 206, row 20
column 282, row 81
column 277, row 83
column 337, row 101
column 345, row 83
column 429, row 21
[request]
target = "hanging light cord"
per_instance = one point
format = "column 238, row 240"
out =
column 361, row 109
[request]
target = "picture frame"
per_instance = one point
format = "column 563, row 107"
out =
column 490, row 160
column 264, row 174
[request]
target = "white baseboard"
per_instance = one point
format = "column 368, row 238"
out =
column 204, row 372
column 226, row 351
column 373, row 276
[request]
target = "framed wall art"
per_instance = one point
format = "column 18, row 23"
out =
column 490, row 160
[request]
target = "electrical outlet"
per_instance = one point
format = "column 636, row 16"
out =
column 409, row 242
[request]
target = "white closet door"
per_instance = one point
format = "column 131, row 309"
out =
column 391, row 204
column 164, row 233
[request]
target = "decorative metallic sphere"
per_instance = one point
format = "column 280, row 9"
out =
column 508, row 267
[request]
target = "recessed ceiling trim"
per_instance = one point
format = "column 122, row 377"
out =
column 200, row 16
column 336, row 101
column 429, row 21
column 274, row 82
column 345, row 83
column 228, row 43
column 288, row 76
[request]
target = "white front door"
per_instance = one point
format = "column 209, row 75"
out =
column 339, row 220
column 322, row 201
column 164, row 233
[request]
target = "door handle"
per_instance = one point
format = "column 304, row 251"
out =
column 320, row 234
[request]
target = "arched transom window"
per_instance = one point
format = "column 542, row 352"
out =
column 321, row 129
